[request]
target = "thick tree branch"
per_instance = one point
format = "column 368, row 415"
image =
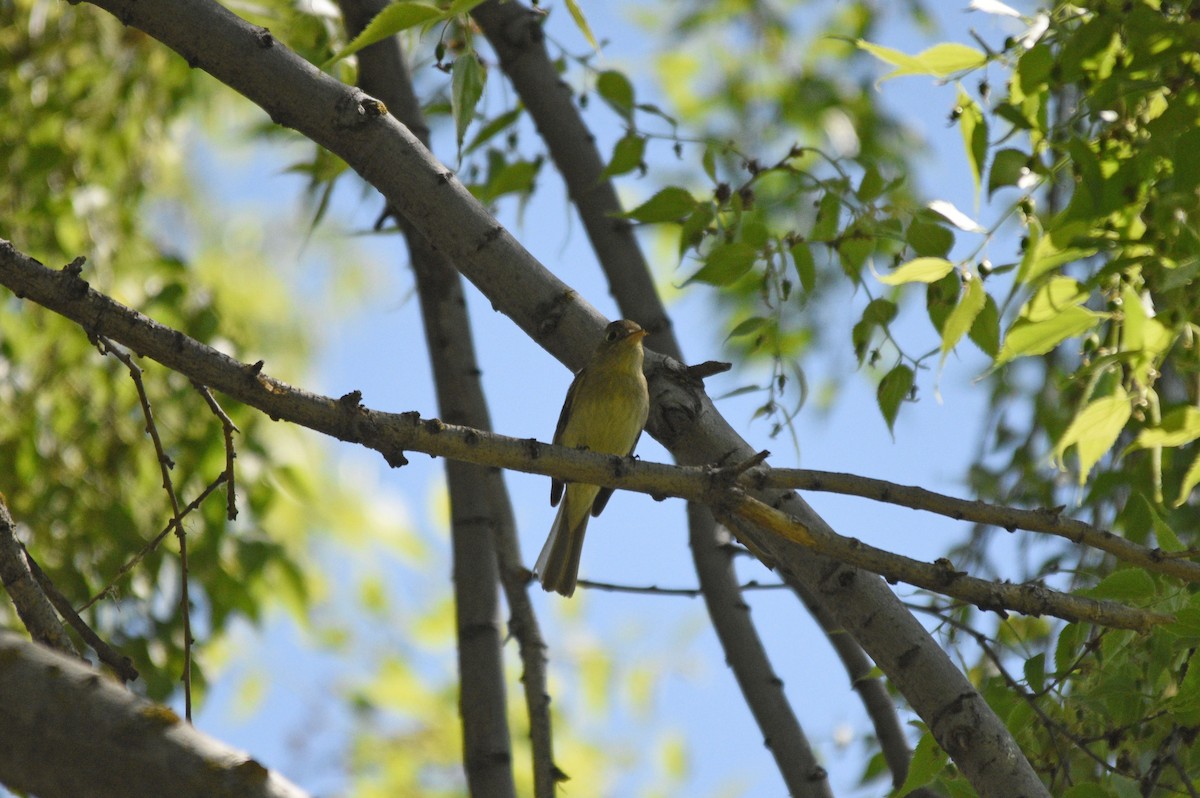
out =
column 747, row 657
column 872, row 690
column 33, row 606
column 68, row 731
column 515, row 33
column 479, row 505
column 1051, row 521
column 358, row 129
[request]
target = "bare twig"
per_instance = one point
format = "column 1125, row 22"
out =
column 152, row 544
column 165, row 464
column 121, row 665
column 1051, row 521
column 227, row 428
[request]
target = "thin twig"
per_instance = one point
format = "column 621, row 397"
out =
column 228, row 428
column 165, row 464
column 1050, row 521
column 121, row 664
column 685, row 592
column 152, row 544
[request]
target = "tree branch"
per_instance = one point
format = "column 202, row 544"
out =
column 33, row 606
column 68, row 731
column 1050, row 521
column 515, row 33
column 767, row 533
column 479, row 504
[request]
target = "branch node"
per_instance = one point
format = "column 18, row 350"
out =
column 264, row 39
column 702, row 371
column 394, row 458
column 351, row 400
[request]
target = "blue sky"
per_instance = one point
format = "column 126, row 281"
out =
column 637, row 541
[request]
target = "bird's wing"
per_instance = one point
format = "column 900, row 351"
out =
column 606, row 493
column 557, row 485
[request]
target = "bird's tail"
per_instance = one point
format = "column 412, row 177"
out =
column 558, row 564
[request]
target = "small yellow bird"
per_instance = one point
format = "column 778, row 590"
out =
column 605, row 411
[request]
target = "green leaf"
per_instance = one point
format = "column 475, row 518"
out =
column 963, row 316
column 582, row 23
column 669, row 205
column 1190, row 480
column 1034, row 68
column 806, row 268
column 492, row 127
column 975, row 134
column 391, row 20
column 825, row 226
column 1186, row 624
column 894, row 389
column 617, row 91
column 940, row 60
column 466, row 87
column 929, row 239
column 985, row 332
column 1126, row 585
column 1009, row 167
column 627, row 155
column 695, row 227
column 1179, row 426
column 1094, row 431
column 709, row 162
column 1027, row 337
column 750, row 325
column 918, row 270
column 1035, row 672
column 1049, row 250
column 871, row 185
column 726, row 263
column 928, row 760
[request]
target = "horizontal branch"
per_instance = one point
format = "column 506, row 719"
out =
column 68, row 731
column 1049, row 521
column 66, row 293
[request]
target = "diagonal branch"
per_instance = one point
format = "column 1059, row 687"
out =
column 68, row 732
column 515, row 34
column 34, row 608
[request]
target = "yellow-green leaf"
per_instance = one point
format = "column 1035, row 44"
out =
column 918, row 270
column 963, row 315
column 893, row 389
column 1094, row 431
column 975, row 134
column 1027, row 337
column 940, row 60
column 391, row 20
column 726, row 263
column 1178, row 427
column 1190, row 480
column 466, row 87
column 669, row 205
column 582, row 23
column 1128, row 584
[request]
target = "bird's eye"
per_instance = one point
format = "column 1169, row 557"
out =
column 612, row 335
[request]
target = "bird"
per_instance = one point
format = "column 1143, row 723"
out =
column 605, row 411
